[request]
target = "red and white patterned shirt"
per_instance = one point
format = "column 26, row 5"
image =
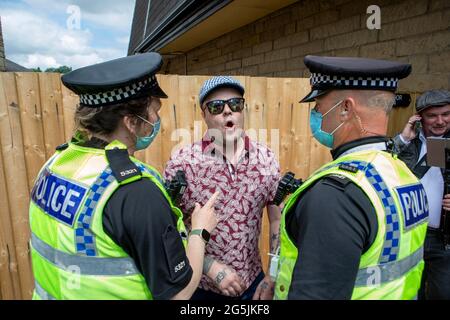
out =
column 245, row 189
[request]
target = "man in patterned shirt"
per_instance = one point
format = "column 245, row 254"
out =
column 246, row 173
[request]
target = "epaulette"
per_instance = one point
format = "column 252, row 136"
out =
column 336, row 180
column 122, row 167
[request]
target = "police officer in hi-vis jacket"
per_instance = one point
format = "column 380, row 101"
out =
column 102, row 224
column 355, row 228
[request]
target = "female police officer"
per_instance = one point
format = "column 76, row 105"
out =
column 103, row 226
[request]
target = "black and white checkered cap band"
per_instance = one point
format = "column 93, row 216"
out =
column 118, row 94
column 322, row 80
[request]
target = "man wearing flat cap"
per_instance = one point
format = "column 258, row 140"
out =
column 432, row 120
column 102, row 224
column 355, row 228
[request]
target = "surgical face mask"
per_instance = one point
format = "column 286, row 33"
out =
column 315, row 122
column 144, row 142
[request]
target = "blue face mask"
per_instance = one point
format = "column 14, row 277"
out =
column 315, row 122
column 143, row 142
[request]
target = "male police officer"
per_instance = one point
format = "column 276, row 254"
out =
column 102, row 224
column 356, row 227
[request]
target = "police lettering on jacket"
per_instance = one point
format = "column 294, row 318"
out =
column 57, row 196
column 414, row 202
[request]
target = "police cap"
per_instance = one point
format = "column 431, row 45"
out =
column 116, row 81
column 334, row 73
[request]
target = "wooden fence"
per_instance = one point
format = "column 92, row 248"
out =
column 36, row 115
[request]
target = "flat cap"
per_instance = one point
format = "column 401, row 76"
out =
column 334, row 73
column 432, row 98
column 115, row 81
column 219, row 82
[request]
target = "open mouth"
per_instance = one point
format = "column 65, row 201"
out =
column 229, row 125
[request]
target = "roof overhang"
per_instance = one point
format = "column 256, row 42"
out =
column 11, row 66
column 194, row 23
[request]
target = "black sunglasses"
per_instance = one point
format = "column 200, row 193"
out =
column 216, row 106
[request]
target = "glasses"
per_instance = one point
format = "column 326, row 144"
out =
column 216, row 106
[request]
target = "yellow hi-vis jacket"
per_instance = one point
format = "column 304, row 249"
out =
column 72, row 256
column 392, row 267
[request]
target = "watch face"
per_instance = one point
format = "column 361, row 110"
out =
column 205, row 235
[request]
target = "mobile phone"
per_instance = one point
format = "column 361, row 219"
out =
column 417, row 126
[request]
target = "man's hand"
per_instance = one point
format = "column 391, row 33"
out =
column 446, row 202
column 409, row 131
column 226, row 279
column 265, row 289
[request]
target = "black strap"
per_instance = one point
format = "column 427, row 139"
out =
column 121, row 165
column 421, row 168
column 62, row 147
column 348, row 167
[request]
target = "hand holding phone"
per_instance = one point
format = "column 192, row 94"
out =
column 412, row 128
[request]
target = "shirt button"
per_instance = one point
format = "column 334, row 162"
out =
column 282, row 288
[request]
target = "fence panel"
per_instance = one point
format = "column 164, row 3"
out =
column 52, row 111
column 9, row 279
column 15, row 230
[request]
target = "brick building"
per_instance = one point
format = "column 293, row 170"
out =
column 270, row 38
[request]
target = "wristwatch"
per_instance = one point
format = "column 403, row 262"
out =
column 203, row 233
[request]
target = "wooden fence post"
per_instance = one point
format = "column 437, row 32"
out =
column 52, row 111
column 69, row 102
column 16, row 181
column 32, row 123
column 9, row 278
column 169, row 83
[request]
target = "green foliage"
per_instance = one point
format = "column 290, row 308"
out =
column 61, row 69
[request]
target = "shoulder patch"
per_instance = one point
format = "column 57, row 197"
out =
column 414, row 203
column 122, row 167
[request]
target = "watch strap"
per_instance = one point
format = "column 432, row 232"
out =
column 198, row 232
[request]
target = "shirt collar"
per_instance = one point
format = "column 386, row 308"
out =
column 369, row 143
column 422, row 137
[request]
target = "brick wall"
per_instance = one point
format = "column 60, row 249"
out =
column 2, row 50
column 413, row 31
